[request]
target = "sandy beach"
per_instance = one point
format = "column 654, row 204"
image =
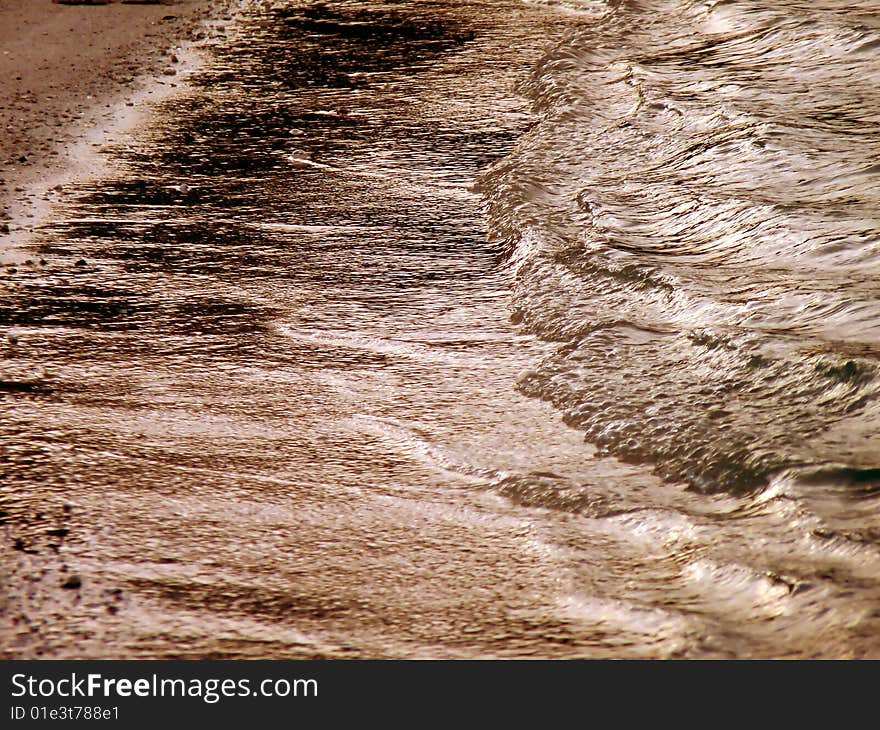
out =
column 73, row 75
column 425, row 329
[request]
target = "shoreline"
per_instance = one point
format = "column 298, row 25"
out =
column 79, row 78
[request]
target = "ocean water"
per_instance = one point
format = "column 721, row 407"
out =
column 694, row 219
column 463, row 329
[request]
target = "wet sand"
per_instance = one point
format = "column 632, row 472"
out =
column 279, row 418
column 74, row 75
column 280, row 413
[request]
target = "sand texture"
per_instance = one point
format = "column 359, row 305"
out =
column 66, row 72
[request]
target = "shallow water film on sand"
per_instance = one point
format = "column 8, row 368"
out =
column 464, row 329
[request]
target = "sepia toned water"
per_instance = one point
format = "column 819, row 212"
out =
column 463, row 329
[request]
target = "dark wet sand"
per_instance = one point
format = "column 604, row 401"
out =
column 65, row 69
